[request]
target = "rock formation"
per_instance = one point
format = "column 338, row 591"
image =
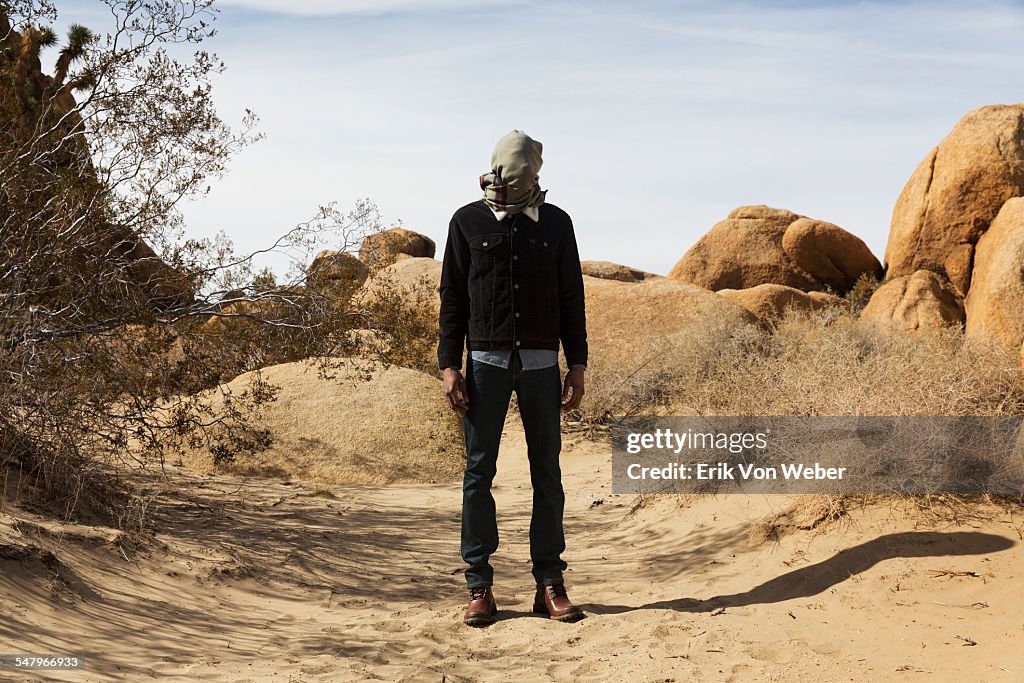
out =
column 337, row 267
column 770, row 302
column 751, row 248
column 922, row 300
column 955, row 193
column 381, row 249
column 831, row 255
column 995, row 304
column 619, row 312
column 607, row 270
column 42, row 108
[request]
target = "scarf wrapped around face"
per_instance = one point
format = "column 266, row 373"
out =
column 513, row 183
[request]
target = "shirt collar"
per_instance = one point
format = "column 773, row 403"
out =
column 532, row 212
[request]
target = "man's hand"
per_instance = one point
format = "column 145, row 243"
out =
column 455, row 390
column 573, row 383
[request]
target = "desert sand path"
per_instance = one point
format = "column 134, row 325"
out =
column 266, row 580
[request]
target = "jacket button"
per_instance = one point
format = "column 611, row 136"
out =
column 517, row 314
column 516, row 285
column 545, row 244
column 517, row 342
column 515, row 258
column 484, row 244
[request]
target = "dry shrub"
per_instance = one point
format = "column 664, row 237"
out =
column 644, row 335
column 825, row 363
column 859, row 295
column 641, row 377
column 265, row 328
column 400, row 309
column 105, row 306
column 69, row 482
column 834, row 364
column 805, row 513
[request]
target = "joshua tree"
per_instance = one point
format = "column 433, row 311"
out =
column 78, row 38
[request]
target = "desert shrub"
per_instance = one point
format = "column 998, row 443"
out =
column 850, row 367
column 110, row 320
column 859, row 295
column 400, row 319
column 825, row 363
column 642, row 374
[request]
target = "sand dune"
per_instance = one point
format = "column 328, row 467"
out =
column 365, row 424
column 266, row 580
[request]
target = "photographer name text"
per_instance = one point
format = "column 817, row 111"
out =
column 723, row 471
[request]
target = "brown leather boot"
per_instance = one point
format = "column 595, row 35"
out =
column 553, row 601
column 481, row 608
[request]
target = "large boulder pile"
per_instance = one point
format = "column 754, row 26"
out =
column 380, row 256
column 955, row 193
column 759, row 245
column 744, row 250
column 956, row 246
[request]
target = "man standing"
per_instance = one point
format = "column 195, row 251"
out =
column 511, row 290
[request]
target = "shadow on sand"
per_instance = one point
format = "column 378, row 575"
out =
column 817, row 578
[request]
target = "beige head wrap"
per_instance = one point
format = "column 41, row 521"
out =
column 513, row 183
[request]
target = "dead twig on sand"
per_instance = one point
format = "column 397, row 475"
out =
column 973, row 605
column 950, row 573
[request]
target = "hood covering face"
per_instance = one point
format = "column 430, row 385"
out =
column 513, row 183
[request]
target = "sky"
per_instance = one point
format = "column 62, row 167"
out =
column 657, row 118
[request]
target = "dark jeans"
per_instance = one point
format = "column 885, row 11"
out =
column 539, row 393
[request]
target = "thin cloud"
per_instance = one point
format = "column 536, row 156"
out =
column 325, row 8
column 657, row 118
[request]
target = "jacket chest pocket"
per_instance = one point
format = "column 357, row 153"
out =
column 540, row 255
column 486, row 252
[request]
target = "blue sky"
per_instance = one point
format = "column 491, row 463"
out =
column 657, row 118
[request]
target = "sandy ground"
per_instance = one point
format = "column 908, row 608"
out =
column 270, row 580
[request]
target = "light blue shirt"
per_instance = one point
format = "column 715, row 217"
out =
column 532, row 359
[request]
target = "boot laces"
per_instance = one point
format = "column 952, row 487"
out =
column 557, row 590
column 478, row 593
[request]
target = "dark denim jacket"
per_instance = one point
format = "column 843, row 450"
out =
column 510, row 284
